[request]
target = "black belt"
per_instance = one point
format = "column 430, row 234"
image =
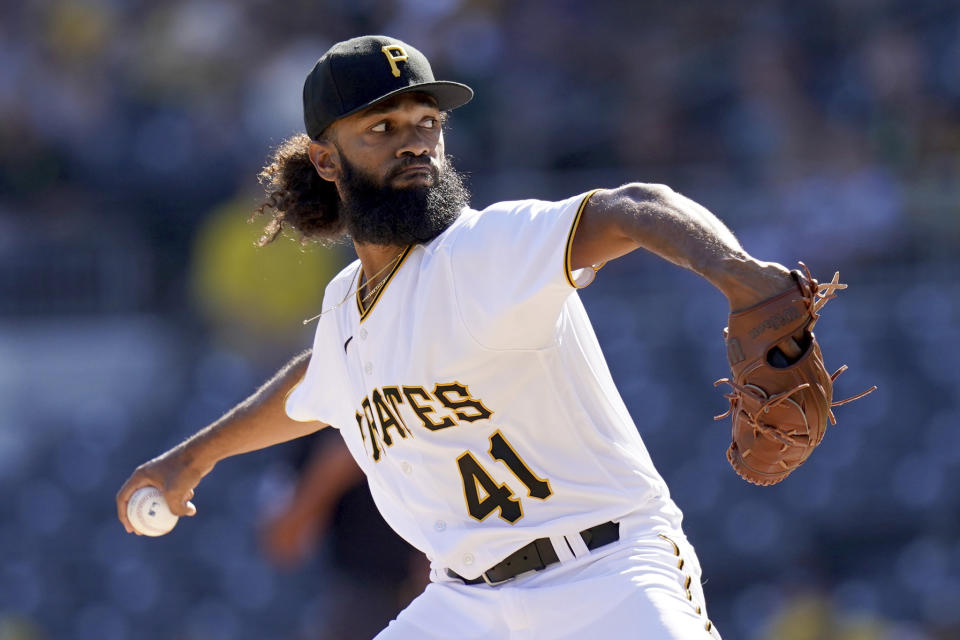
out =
column 539, row 555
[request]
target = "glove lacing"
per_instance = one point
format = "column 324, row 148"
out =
column 820, row 294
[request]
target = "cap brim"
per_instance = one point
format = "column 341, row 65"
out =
column 449, row 95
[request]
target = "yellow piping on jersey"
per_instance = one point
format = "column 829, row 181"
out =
column 287, row 395
column 364, row 313
column 567, row 270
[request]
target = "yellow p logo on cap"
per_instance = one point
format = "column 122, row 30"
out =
column 395, row 54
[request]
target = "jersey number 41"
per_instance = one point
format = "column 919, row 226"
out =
column 498, row 497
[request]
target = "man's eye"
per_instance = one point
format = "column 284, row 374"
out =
column 428, row 123
column 380, row 127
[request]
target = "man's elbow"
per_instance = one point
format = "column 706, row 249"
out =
column 643, row 193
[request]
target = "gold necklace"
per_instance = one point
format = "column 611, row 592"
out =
column 370, row 294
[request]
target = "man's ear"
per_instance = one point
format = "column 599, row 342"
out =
column 325, row 158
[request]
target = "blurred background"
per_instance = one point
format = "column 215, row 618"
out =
column 134, row 308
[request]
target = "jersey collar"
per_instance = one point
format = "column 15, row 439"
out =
column 364, row 311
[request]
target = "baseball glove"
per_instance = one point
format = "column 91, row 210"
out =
column 781, row 394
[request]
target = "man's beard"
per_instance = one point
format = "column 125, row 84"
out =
column 375, row 213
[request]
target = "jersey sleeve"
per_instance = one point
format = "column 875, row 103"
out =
column 317, row 395
column 511, row 271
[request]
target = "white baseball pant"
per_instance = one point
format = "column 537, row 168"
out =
column 643, row 586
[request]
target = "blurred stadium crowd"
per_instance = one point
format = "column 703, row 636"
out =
column 134, row 308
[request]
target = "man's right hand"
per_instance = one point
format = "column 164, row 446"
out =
column 259, row 421
column 172, row 474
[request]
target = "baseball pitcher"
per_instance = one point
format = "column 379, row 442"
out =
column 458, row 364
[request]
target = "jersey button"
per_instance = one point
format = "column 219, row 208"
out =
column 468, row 559
column 363, row 334
column 407, row 467
column 368, row 368
column 440, row 525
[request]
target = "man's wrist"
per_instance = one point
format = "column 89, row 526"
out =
column 747, row 281
column 192, row 457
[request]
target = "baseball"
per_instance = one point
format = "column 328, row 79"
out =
column 149, row 514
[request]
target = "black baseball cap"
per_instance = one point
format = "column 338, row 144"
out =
column 356, row 73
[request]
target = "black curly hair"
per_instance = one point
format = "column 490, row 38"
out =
column 298, row 197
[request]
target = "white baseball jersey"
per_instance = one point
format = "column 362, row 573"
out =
column 472, row 391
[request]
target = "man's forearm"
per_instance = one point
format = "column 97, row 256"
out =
column 256, row 423
column 674, row 227
column 678, row 229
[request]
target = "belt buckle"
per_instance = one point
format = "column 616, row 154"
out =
column 495, row 583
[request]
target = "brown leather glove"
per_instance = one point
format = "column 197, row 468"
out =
column 782, row 395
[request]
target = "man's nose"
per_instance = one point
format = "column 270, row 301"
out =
column 415, row 143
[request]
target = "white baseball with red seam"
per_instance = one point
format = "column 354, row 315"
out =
column 149, row 514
